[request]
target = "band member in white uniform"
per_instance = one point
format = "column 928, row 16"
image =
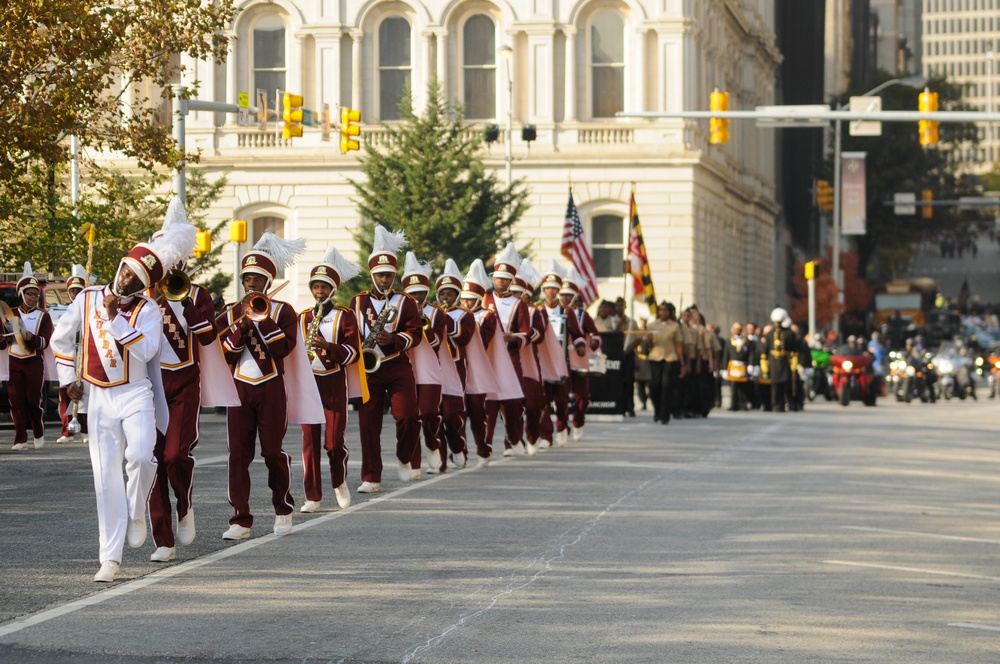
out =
column 122, row 330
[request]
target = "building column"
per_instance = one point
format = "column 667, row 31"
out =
column 293, row 78
column 441, row 66
column 356, row 101
column 328, row 71
column 421, row 71
column 569, row 115
column 638, row 101
column 539, row 84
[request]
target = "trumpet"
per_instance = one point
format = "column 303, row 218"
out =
column 176, row 284
column 260, row 306
column 427, row 322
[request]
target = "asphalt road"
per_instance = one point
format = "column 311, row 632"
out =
column 835, row 535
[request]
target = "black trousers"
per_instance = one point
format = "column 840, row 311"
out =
column 663, row 388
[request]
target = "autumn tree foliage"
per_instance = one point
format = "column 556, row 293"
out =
column 858, row 293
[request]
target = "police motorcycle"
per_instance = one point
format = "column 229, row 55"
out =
column 955, row 369
column 919, row 377
column 818, row 383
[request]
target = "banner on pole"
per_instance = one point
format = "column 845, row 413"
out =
column 853, row 200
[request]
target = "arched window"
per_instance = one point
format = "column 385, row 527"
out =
column 607, row 64
column 479, row 66
column 268, row 224
column 269, row 54
column 393, row 65
column 607, row 239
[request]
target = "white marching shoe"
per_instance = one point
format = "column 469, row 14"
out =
column 236, row 532
column 39, row 443
column 185, row 529
column 64, row 439
column 483, row 462
column 415, row 474
column 544, row 444
column 509, row 452
column 282, row 524
column 163, row 554
column 135, row 533
column 309, row 507
column 405, row 472
column 108, row 572
column 459, row 460
column 530, row 449
column 433, row 462
column 577, row 433
column 343, row 494
column 369, row 487
column 19, row 447
column 562, row 437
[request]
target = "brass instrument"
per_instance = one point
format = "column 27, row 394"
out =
column 15, row 323
column 427, row 322
column 369, row 356
column 260, row 306
column 319, row 313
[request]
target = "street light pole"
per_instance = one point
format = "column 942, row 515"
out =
column 506, row 51
column 911, row 81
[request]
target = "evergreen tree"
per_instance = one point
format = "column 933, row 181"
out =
column 427, row 177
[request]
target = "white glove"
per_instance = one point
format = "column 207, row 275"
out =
column 724, row 374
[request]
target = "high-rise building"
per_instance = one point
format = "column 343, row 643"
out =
column 961, row 40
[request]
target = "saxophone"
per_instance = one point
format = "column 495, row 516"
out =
column 319, row 313
column 369, row 356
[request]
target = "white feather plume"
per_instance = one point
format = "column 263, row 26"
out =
column 451, row 269
column 477, row 274
column 572, row 276
column 346, row 270
column 176, row 239
column 283, row 252
column 528, row 273
column 556, row 269
column 78, row 271
column 509, row 256
column 386, row 242
column 28, row 272
column 414, row 266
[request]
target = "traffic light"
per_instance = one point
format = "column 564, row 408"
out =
column 238, row 230
column 292, row 116
column 719, row 127
column 927, row 211
column 928, row 103
column 811, row 270
column 824, row 196
column 203, row 243
column 349, row 119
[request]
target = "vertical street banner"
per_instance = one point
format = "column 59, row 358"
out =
column 638, row 264
column 853, row 201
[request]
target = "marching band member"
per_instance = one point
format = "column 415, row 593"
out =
column 427, row 361
column 31, row 331
column 515, row 328
column 390, row 326
column 194, row 374
column 122, row 331
column 462, row 331
column 569, row 296
column 566, row 329
column 74, row 285
column 525, row 280
column 273, row 381
column 506, row 385
column 331, row 334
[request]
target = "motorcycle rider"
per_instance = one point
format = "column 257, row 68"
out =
column 914, row 355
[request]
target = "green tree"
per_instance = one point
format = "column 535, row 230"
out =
column 896, row 162
column 69, row 67
column 124, row 209
column 427, row 177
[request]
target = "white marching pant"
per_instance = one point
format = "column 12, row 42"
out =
column 122, row 426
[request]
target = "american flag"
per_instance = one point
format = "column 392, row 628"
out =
column 574, row 247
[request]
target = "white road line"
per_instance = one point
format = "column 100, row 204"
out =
column 175, row 570
column 989, row 628
column 930, row 508
column 208, row 461
column 918, row 570
column 907, row 487
column 955, row 538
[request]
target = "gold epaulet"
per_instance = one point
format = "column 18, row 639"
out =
column 341, row 307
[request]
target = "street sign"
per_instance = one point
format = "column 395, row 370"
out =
column 308, row 118
column 866, row 105
column 244, row 99
column 243, row 114
column 905, row 203
column 806, row 111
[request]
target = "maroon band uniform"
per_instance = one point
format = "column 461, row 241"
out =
column 27, row 374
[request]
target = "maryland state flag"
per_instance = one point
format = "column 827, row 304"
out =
column 637, row 264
